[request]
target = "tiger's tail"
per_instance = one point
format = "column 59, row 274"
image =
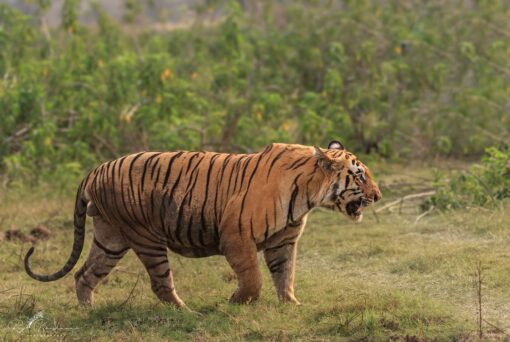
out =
column 80, row 211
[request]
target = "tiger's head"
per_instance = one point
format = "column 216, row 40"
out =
column 349, row 186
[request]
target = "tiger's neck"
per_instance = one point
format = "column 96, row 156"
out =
column 302, row 175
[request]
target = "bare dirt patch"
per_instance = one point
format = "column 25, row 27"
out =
column 37, row 233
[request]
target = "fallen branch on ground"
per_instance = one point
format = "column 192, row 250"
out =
column 405, row 198
column 423, row 215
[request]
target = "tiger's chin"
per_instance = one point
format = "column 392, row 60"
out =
column 352, row 211
column 356, row 218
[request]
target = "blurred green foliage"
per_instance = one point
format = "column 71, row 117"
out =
column 398, row 79
column 483, row 184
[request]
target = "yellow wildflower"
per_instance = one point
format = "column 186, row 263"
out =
column 167, row 73
column 286, row 125
column 126, row 117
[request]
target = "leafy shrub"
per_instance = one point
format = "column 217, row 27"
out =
column 483, row 184
column 388, row 77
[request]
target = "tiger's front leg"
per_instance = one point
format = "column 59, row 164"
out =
column 281, row 261
column 280, row 258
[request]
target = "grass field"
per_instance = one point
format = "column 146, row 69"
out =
column 387, row 277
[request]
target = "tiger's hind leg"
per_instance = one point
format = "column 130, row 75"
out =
column 107, row 249
column 162, row 282
column 241, row 254
column 243, row 260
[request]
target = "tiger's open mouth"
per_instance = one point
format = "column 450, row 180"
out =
column 354, row 208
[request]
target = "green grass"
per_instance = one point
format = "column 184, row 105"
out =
column 372, row 281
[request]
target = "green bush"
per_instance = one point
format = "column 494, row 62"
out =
column 388, row 78
column 483, row 184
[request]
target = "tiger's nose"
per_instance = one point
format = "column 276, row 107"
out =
column 377, row 195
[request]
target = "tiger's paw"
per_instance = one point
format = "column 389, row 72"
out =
column 290, row 299
column 243, row 297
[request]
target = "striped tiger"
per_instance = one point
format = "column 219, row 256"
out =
column 199, row 204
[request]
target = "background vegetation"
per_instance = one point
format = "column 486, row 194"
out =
column 483, row 184
column 396, row 79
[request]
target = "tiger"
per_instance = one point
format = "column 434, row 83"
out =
column 199, row 204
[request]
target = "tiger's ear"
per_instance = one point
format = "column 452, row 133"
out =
column 336, row 145
column 324, row 160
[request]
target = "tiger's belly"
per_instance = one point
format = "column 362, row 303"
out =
column 195, row 252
